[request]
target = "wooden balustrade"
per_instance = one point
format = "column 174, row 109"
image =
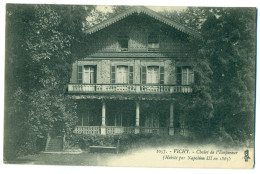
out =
column 121, row 88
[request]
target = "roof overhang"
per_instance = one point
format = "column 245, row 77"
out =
column 144, row 10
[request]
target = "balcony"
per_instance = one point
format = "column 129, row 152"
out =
column 127, row 88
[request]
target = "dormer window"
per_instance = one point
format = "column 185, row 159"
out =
column 123, row 43
column 153, row 42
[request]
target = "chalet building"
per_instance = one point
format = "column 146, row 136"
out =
column 134, row 66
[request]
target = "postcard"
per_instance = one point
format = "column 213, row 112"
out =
column 130, row 86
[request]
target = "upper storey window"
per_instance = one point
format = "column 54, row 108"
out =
column 185, row 76
column 122, row 74
column 152, row 75
column 87, row 74
column 153, row 42
column 123, row 43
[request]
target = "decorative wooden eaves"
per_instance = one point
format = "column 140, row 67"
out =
column 144, row 10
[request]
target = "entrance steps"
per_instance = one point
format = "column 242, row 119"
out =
column 55, row 145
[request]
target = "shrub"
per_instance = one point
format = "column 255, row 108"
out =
column 127, row 141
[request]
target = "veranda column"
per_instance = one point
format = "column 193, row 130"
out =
column 137, row 117
column 171, row 126
column 103, row 125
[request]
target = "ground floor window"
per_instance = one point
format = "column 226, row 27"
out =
column 120, row 113
column 152, row 121
column 89, row 112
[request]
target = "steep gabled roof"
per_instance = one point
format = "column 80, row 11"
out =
column 144, row 10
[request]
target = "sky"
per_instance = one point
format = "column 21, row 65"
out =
column 108, row 8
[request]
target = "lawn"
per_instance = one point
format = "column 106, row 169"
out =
column 82, row 159
column 186, row 156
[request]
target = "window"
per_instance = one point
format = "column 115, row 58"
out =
column 152, row 74
column 153, row 42
column 152, row 120
column 185, row 76
column 122, row 74
column 123, row 43
column 87, row 74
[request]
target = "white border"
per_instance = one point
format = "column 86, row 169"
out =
column 71, row 169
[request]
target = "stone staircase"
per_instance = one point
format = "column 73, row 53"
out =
column 55, row 144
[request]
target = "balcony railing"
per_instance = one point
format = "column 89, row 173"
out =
column 90, row 130
column 157, row 131
column 121, row 88
column 115, row 130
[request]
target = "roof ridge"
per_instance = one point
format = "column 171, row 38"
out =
column 147, row 11
column 171, row 20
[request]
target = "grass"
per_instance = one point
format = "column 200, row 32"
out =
column 130, row 152
column 138, row 157
column 83, row 159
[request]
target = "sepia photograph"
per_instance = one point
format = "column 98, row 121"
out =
column 130, row 86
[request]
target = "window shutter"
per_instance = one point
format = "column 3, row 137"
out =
column 95, row 74
column 143, row 74
column 161, row 75
column 79, row 74
column 184, row 76
column 113, row 74
column 131, row 74
column 191, row 76
column 179, row 76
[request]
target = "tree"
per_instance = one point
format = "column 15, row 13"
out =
column 42, row 43
column 38, row 68
column 230, row 45
column 225, row 71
